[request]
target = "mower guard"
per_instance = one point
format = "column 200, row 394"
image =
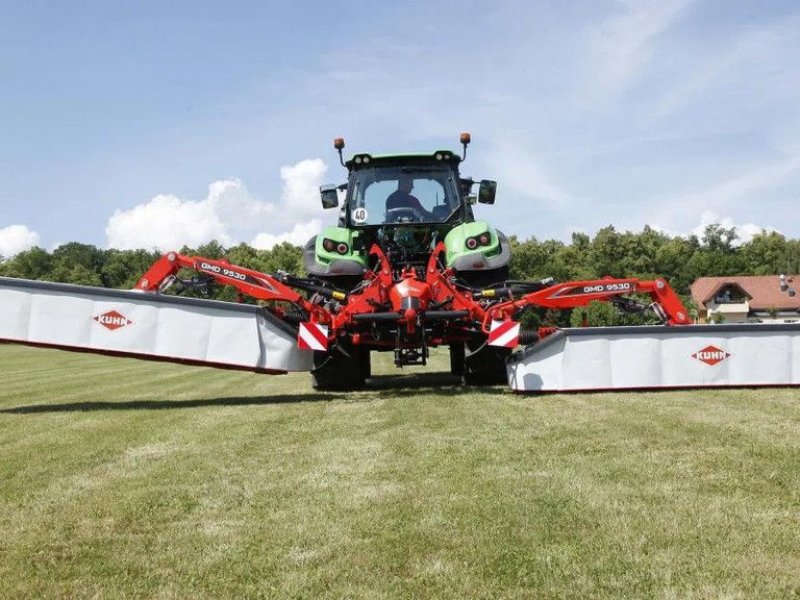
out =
column 694, row 356
column 149, row 326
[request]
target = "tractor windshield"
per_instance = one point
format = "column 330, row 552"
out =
column 414, row 194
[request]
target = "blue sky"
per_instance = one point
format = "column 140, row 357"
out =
column 156, row 124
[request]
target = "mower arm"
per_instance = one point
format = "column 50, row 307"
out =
column 252, row 283
column 580, row 293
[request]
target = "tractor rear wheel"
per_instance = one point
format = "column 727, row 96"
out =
column 336, row 372
column 487, row 366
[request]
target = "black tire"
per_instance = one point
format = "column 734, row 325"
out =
column 487, row 366
column 482, row 279
column 366, row 362
column 336, row 372
column 457, row 359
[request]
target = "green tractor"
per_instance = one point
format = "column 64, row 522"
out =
column 407, row 204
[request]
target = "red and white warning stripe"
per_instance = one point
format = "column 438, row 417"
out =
column 312, row 336
column 504, row 334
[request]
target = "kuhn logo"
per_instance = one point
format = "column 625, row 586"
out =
column 711, row 355
column 113, row 320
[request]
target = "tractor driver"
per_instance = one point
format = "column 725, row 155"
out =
column 402, row 198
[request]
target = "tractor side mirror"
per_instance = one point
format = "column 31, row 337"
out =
column 487, row 191
column 329, row 196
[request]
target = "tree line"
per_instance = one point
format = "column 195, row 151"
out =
column 646, row 254
column 84, row 264
column 650, row 253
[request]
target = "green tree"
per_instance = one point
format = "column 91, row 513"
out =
column 246, row 256
column 672, row 259
column 639, row 253
column 81, row 275
column 646, row 254
column 123, row 268
column 766, row 254
column 596, row 314
column 606, row 253
column 77, row 263
column 717, row 238
column 35, row 263
column 286, row 257
column 793, row 256
column 528, row 259
column 213, row 249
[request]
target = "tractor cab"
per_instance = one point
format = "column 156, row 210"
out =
column 407, row 203
column 401, row 190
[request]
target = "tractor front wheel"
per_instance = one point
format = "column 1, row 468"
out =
column 336, row 371
column 487, row 366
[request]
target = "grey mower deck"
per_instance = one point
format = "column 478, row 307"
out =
column 153, row 326
column 604, row 358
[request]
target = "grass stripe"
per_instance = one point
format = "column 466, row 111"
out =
column 127, row 479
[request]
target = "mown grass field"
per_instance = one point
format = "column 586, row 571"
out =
column 129, row 479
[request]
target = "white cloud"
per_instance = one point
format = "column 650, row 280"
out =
column 622, row 44
column 237, row 208
column 15, row 239
column 298, row 236
column 229, row 214
column 744, row 231
column 165, row 222
column 301, row 185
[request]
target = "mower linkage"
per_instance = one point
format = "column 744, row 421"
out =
column 409, row 308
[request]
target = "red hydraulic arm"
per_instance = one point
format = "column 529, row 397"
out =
column 253, row 283
column 376, row 293
column 437, row 295
column 580, row 293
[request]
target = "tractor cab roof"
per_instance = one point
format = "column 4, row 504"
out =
column 365, row 160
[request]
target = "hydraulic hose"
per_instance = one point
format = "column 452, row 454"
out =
column 309, row 286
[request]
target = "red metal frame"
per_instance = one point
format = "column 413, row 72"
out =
column 383, row 293
column 253, row 283
column 580, row 293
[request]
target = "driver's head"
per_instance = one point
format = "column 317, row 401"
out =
column 405, row 183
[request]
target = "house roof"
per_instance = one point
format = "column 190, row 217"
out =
column 764, row 290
